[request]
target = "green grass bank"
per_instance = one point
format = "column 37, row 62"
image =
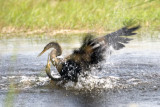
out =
column 78, row 14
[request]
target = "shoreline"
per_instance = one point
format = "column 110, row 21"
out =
column 48, row 31
column 24, row 32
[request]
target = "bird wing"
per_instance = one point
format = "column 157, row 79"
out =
column 92, row 49
column 118, row 38
column 90, row 52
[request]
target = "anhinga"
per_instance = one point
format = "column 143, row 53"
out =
column 91, row 52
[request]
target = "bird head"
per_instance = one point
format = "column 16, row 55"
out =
column 54, row 45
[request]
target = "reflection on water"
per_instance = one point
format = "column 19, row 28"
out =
column 129, row 77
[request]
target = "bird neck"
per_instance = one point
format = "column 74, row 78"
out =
column 57, row 62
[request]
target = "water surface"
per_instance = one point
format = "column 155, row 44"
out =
column 129, row 77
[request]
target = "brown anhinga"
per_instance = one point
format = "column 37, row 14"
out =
column 91, row 52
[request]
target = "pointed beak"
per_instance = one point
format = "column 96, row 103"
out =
column 41, row 53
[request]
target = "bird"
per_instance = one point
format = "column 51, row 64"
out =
column 91, row 52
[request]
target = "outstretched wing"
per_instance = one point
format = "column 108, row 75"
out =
column 92, row 49
column 116, row 40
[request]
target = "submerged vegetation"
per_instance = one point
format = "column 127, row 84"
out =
column 78, row 14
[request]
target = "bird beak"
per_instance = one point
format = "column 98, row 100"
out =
column 41, row 53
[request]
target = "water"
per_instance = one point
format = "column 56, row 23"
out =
column 128, row 78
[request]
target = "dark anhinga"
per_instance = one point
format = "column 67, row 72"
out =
column 91, row 52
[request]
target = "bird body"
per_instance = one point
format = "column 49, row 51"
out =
column 90, row 53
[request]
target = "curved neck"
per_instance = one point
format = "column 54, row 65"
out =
column 48, row 72
column 57, row 63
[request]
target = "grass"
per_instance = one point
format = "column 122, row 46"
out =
column 78, row 14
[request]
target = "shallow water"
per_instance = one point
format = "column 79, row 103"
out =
column 127, row 78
